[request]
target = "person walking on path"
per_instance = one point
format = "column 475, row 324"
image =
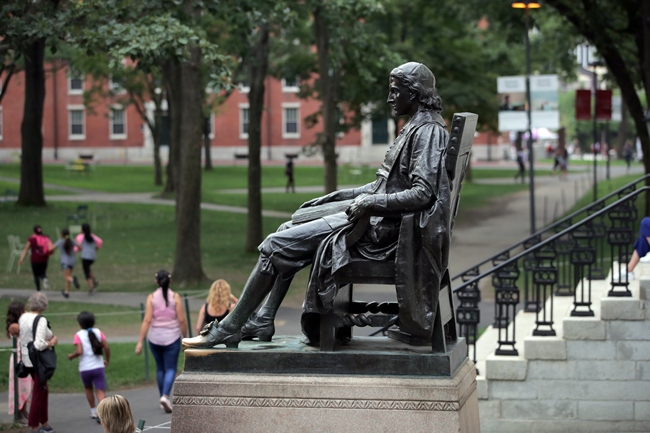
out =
column 43, row 339
column 68, row 259
column 288, row 171
column 15, row 310
column 217, row 306
column 521, row 157
column 94, row 355
column 164, row 323
column 41, row 249
column 90, row 243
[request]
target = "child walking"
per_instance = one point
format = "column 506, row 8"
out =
column 90, row 342
column 90, row 243
column 68, row 257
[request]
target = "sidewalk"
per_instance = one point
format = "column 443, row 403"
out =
column 470, row 244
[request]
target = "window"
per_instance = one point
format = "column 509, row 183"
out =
column 243, row 121
column 77, row 122
column 290, row 118
column 290, row 84
column 118, row 123
column 115, row 87
column 75, row 83
column 244, row 87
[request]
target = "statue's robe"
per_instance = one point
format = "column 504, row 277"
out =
column 412, row 226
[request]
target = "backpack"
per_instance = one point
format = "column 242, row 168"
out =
column 41, row 247
column 44, row 361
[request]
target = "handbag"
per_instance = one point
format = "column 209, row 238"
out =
column 44, row 361
column 21, row 369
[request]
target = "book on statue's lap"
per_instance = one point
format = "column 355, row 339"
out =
column 311, row 213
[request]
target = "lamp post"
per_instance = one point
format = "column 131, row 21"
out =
column 595, row 64
column 526, row 5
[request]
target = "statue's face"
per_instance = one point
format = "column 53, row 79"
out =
column 399, row 97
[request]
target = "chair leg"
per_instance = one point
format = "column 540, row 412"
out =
column 327, row 332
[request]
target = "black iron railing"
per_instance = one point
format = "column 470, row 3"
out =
column 560, row 260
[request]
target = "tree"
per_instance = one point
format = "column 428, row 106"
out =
column 25, row 30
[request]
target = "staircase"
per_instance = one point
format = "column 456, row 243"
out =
column 593, row 376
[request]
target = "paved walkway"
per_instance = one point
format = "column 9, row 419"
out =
column 470, row 244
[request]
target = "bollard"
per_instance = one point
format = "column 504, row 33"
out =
column 16, row 397
column 187, row 313
column 145, row 348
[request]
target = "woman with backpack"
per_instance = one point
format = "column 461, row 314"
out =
column 41, row 247
column 42, row 339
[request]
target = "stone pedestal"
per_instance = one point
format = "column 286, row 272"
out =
column 332, row 395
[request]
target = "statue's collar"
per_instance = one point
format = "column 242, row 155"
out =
column 421, row 117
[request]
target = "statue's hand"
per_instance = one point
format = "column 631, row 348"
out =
column 333, row 196
column 360, row 205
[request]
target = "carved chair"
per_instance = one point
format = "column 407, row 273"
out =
column 347, row 312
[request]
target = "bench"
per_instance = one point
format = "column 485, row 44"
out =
column 79, row 166
column 10, row 196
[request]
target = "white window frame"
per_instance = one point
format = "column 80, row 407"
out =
column 111, row 134
column 115, row 88
column 71, row 76
column 290, row 105
column 81, row 108
column 290, row 89
column 242, row 107
column 244, row 88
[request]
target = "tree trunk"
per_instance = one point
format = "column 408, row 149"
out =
column 206, row 143
column 174, row 93
column 259, row 62
column 31, row 164
column 187, row 122
column 157, row 138
column 329, row 79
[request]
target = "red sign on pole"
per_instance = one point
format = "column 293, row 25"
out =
column 603, row 104
column 583, row 104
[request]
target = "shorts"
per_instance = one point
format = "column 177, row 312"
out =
column 94, row 377
column 85, row 263
column 65, row 266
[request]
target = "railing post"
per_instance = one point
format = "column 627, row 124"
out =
column 620, row 237
column 544, row 279
column 187, row 313
column 563, row 246
column 468, row 314
column 531, row 301
column 506, row 299
column 598, row 268
column 145, row 349
column 582, row 258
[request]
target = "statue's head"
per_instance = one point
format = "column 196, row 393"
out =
column 419, row 80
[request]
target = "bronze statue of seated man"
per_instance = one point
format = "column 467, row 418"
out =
column 411, row 180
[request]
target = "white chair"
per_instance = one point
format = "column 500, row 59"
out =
column 15, row 250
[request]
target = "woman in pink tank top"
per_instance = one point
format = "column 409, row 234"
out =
column 164, row 324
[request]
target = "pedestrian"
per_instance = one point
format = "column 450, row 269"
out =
column 41, row 248
column 628, row 154
column 44, row 340
column 521, row 172
column 94, row 355
column 68, row 258
column 164, row 323
column 641, row 247
column 115, row 415
column 90, row 243
column 288, row 171
column 217, row 305
column 15, row 310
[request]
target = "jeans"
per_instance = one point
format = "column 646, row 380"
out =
column 166, row 358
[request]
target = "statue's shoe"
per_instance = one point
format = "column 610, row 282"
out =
column 211, row 335
column 258, row 327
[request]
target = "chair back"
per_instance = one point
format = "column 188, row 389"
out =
column 14, row 243
column 463, row 127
